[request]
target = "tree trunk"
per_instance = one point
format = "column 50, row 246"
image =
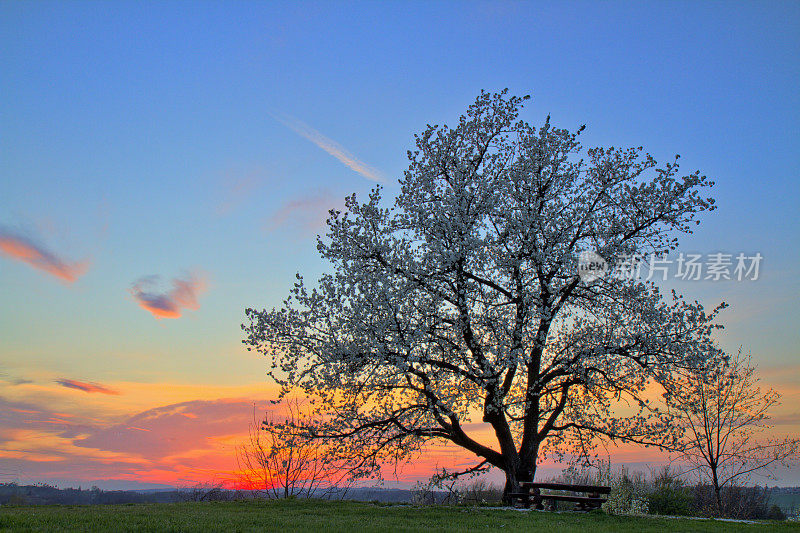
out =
column 718, row 495
column 513, row 480
column 511, row 486
column 717, row 492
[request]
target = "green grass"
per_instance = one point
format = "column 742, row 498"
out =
column 329, row 516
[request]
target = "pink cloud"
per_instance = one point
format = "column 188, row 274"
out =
column 178, row 443
column 26, row 250
column 307, row 212
column 237, row 191
column 15, row 416
column 85, row 387
column 170, row 304
column 174, row 429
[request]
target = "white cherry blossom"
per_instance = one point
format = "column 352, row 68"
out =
column 461, row 302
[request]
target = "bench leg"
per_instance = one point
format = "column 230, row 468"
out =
column 537, row 500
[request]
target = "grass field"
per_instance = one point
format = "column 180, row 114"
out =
column 328, row 516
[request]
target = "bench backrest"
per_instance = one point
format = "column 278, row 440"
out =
column 565, row 486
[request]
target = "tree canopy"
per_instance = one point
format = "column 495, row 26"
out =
column 462, row 303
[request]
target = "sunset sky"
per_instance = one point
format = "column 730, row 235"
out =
column 163, row 166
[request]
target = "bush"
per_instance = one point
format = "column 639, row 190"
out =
column 669, row 494
column 775, row 513
column 629, row 495
column 422, row 494
column 665, row 492
column 747, row 503
column 629, row 491
column 479, row 491
column 209, row 492
column 16, row 499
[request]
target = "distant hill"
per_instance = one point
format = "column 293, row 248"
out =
column 787, row 498
column 42, row 494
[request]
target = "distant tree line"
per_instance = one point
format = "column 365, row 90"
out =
column 44, row 494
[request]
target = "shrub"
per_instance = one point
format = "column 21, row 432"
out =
column 423, row 493
column 740, row 502
column 775, row 513
column 669, row 494
column 629, row 491
column 479, row 491
column 208, row 492
column 16, row 499
column 628, row 495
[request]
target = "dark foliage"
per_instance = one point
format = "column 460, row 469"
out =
column 670, row 495
column 746, row 503
column 775, row 513
column 43, row 494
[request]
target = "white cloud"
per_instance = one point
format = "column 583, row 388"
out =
column 332, row 147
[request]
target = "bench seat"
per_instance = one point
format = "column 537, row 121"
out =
column 532, row 495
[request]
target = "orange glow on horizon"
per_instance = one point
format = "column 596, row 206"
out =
column 181, row 435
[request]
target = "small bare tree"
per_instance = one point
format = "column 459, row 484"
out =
column 281, row 458
column 724, row 411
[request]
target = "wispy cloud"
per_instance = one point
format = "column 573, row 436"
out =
column 789, row 419
column 169, row 304
column 23, row 248
column 176, row 444
column 308, row 212
column 332, row 147
column 237, row 189
column 85, row 387
column 5, row 378
column 174, row 429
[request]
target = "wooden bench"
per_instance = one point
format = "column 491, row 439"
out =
column 532, row 494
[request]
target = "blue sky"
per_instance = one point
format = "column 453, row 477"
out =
column 151, row 139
